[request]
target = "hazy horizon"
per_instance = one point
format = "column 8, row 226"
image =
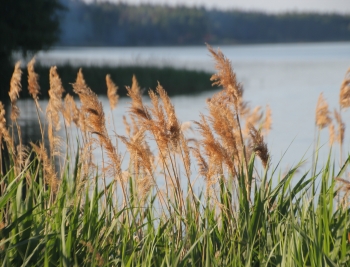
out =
column 270, row 6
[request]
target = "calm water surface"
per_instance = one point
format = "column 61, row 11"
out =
column 288, row 77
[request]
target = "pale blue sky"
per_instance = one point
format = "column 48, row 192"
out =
column 339, row 6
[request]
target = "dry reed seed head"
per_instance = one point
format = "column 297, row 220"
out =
column 138, row 152
column 186, row 154
column 94, row 119
column 259, row 146
column 157, row 110
column 268, row 120
column 127, row 126
column 55, row 102
column 15, row 89
column 15, row 83
column 4, row 133
column 253, row 118
column 332, row 138
column 112, row 92
column 22, row 156
column 225, row 76
column 173, row 125
column 144, row 186
column 341, row 127
column 344, row 96
column 224, row 126
column 80, row 85
column 50, row 176
column 202, row 164
column 137, row 108
column 71, row 111
column 33, row 84
column 322, row 113
column 216, row 153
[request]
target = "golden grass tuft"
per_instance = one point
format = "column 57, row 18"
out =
column 259, row 146
column 15, row 89
column 268, row 120
column 33, row 84
column 70, row 111
column 332, row 137
column 226, row 76
column 323, row 118
column 344, row 96
column 50, row 176
column 173, row 125
column 55, row 105
column 4, row 133
column 94, row 120
column 340, row 128
column 112, row 92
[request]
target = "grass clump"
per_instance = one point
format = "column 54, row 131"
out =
column 61, row 207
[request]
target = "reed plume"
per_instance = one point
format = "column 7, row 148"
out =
column 322, row 113
column 54, row 107
column 226, row 76
column 344, row 96
column 268, row 120
column 332, row 137
column 216, row 153
column 50, row 176
column 139, row 152
column 112, row 92
column 254, row 118
column 341, row 127
column 158, row 124
column 224, row 124
column 127, row 126
column 173, row 125
column 4, row 133
column 234, row 90
column 95, row 120
column 15, row 89
column 70, row 111
column 33, row 84
column 137, row 108
column 259, row 146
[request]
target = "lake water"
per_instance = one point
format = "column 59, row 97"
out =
column 288, row 77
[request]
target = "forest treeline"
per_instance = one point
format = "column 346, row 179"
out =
column 118, row 24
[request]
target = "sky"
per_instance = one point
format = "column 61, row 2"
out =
column 270, row 6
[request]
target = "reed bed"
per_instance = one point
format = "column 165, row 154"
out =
column 59, row 206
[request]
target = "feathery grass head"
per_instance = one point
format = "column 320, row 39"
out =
column 226, row 77
column 344, row 96
column 70, row 111
column 55, row 105
column 4, row 133
column 331, row 134
column 259, row 146
column 268, row 120
column 50, row 175
column 341, row 127
column 94, row 120
column 322, row 113
column 33, row 85
column 173, row 125
column 15, row 89
column 112, row 92
column 137, row 108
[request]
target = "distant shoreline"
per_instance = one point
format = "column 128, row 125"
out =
column 118, row 24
